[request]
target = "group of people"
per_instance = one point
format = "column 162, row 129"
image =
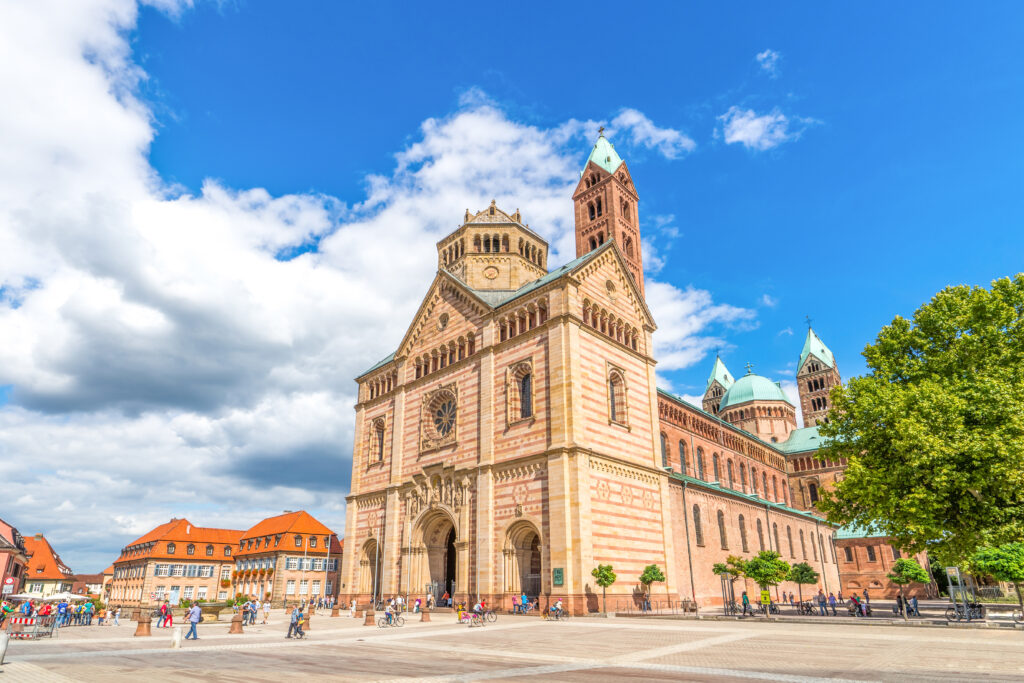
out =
column 828, row 603
column 251, row 610
column 521, row 604
column 65, row 613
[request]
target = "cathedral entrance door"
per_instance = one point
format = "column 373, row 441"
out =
column 449, row 563
column 439, row 569
column 523, row 560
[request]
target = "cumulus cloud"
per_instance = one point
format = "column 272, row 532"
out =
column 668, row 142
column 191, row 354
column 769, row 301
column 769, row 61
column 790, row 389
column 759, row 132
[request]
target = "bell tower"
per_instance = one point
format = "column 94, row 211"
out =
column 816, row 374
column 606, row 207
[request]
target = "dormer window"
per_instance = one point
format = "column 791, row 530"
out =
column 312, row 541
column 170, row 548
column 298, row 541
column 190, row 549
column 227, row 551
column 209, row 550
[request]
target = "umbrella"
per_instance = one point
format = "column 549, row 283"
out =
column 57, row 597
column 26, row 596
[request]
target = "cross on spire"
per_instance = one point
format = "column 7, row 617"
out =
column 808, row 321
column 600, row 131
column 750, row 368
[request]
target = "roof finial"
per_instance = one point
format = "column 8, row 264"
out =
column 600, row 132
column 750, row 368
column 808, row 321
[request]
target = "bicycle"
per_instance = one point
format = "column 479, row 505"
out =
column 491, row 616
column 807, row 608
column 973, row 611
column 1018, row 616
column 732, row 609
column 557, row 615
column 397, row 620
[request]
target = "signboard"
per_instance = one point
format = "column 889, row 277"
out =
column 8, row 588
column 557, row 576
column 766, row 597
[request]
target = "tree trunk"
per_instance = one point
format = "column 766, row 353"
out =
column 604, row 600
column 800, row 592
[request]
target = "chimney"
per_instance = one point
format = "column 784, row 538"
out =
column 288, row 512
column 39, row 537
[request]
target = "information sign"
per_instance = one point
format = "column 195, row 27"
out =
column 766, row 597
column 557, row 576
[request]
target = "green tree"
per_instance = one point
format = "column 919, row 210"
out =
column 604, row 576
column 651, row 574
column 766, row 569
column 801, row 574
column 734, row 565
column 1005, row 562
column 904, row 571
column 934, row 433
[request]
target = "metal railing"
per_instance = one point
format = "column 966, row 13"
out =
column 655, row 606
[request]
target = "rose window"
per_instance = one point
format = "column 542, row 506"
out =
column 444, row 417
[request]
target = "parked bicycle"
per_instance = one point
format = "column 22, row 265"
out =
column 1018, row 616
column 733, row 608
column 806, row 608
column 973, row 611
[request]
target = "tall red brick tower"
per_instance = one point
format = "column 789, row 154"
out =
column 816, row 374
column 606, row 206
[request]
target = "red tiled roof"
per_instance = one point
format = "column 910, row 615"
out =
column 43, row 561
column 181, row 533
column 290, row 524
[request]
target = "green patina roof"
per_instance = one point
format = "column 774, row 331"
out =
column 813, row 346
column 390, row 357
column 716, row 486
column 800, row 440
column 721, row 373
column 752, row 388
column 604, row 155
column 855, row 531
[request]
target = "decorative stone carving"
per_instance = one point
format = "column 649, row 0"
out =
column 438, row 418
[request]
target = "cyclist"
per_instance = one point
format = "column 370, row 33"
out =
column 389, row 612
column 556, row 608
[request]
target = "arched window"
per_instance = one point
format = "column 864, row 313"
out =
column 628, row 247
column 171, row 548
column 760, row 536
column 775, row 533
column 775, row 488
column 298, row 541
column 728, row 469
column 803, row 546
column 227, row 551
column 312, row 541
column 714, row 466
column 812, row 491
column 700, row 464
column 209, row 550
column 814, row 548
column 721, row 530
column 682, row 456
column 616, row 397
column 526, row 395
column 753, row 480
column 743, row 534
column 190, row 549
column 764, row 482
column 378, row 439
column 664, row 450
column 590, row 211
column 789, row 537
column 743, row 476
column 698, row 534
column 600, row 209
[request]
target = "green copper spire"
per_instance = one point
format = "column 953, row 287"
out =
column 604, row 154
column 815, row 347
column 720, row 373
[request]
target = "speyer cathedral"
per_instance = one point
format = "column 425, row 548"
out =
column 516, row 438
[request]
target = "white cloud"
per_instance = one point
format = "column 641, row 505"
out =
column 790, row 389
column 165, row 360
column 668, row 142
column 769, row 301
column 786, row 331
column 760, row 133
column 769, row 61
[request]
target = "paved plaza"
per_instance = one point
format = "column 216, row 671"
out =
column 584, row 649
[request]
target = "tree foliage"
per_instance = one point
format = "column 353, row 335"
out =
column 802, row 574
column 1005, row 563
column 734, row 565
column 934, row 434
column 766, row 569
column 651, row 574
column 906, row 570
column 604, row 577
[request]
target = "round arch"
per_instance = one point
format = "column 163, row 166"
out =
column 370, row 570
column 437, row 554
column 523, row 560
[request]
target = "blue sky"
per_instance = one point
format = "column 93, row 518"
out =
column 906, row 180
column 213, row 216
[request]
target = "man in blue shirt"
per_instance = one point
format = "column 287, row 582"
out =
column 62, row 613
column 194, row 615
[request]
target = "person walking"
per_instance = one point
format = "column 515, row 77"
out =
column 832, row 603
column 194, row 615
column 821, row 603
column 266, row 610
column 117, row 616
column 913, row 611
column 293, row 625
column 746, row 605
column 899, row 605
column 867, row 600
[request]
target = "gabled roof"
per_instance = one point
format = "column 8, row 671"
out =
column 720, row 374
column 813, row 346
column 43, row 561
column 604, row 155
column 300, row 522
column 801, row 440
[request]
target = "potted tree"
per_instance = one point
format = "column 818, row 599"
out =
column 650, row 574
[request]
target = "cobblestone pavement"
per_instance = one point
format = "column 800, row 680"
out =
column 517, row 648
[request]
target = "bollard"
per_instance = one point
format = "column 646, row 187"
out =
column 236, row 625
column 335, row 612
column 309, row 620
column 142, row 628
column 176, row 638
column 5, row 640
column 368, row 620
column 425, row 615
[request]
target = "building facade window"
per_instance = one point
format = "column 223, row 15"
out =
column 190, row 549
column 743, row 535
column 721, row 531
column 209, row 550
column 698, row 533
column 664, row 451
column 714, row 467
column 789, row 536
column 871, row 553
column 616, row 397
column 682, row 456
column 171, row 548
column 304, row 587
column 896, row 553
column 700, row 463
column 849, row 553
column 289, row 587
column 812, row 492
column 803, row 546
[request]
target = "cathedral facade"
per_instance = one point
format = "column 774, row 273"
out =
column 516, row 437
